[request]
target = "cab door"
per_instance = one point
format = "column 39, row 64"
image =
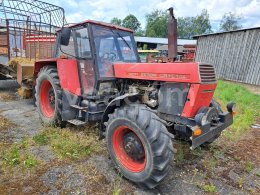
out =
column 85, row 59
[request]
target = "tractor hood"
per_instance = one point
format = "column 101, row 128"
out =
column 192, row 72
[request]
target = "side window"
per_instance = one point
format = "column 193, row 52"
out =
column 126, row 47
column 83, row 44
column 70, row 49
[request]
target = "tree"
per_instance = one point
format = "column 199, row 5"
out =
column 187, row 26
column 116, row 21
column 131, row 22
column 190, row 26
column 156, row 24
column 230, row 21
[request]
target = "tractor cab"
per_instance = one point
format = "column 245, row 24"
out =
column 96, row 46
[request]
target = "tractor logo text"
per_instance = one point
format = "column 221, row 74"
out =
column 159, row 75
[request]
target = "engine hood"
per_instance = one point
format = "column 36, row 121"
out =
column 192, row 72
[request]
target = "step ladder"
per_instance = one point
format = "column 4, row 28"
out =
column 77, row 122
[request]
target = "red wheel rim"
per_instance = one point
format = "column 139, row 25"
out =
column 127, row 161
column 47, row 99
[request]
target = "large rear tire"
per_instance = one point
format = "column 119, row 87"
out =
column 48, row 96
column 139, row 145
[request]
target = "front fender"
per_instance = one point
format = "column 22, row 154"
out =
column 115, row 103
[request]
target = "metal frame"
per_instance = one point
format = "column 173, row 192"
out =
column 32, row 19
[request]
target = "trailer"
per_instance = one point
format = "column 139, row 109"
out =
column 27, row 33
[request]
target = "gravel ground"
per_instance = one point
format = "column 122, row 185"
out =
column 189, row 173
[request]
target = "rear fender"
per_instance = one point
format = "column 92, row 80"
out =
column 38, row 65
column 115, row 103
column 67, row 71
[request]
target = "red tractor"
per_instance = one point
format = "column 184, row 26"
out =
column 96, row 75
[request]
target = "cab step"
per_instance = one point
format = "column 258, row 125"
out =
column 79, row 107
column 76, row 122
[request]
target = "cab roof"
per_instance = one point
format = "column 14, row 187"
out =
column 101, row 24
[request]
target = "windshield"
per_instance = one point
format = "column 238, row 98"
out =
column 113, row 46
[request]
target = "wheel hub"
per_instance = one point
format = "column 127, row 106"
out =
column 133, row 146
column 51, row 96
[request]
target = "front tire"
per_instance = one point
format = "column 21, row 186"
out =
column 139, row 145
column 48, row 95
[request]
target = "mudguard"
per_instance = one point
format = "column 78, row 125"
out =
column 117, row 102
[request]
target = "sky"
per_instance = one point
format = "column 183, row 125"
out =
column 105, row 10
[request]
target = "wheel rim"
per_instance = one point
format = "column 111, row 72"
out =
column 129, row 149
column 47, row 99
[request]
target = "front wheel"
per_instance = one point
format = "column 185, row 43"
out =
column 139, row 145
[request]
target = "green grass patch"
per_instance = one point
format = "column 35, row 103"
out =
column 248, row 106
column 248, row 166
column 18, row 155
column 41, row 139
column 68, row 143
column 210, row 188
column 12, row 156
column 30, row 161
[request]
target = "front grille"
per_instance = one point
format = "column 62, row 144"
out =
column 207, row 73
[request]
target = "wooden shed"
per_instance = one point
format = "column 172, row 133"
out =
column 234, row 54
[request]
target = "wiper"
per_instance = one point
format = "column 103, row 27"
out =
column 122, row 39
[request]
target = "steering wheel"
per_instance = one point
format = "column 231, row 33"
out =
column 110, row 56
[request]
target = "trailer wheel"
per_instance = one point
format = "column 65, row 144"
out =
column 139, row 145
column 48, row 96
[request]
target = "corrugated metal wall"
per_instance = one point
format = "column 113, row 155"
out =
column 235, row 55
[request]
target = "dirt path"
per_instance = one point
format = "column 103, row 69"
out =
column 221, row 169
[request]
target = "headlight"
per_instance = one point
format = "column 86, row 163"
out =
column 231, row 107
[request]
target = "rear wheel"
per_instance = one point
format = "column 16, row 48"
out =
column 48, row 95
column 139, row 145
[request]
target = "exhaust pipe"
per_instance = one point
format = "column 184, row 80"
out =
column 172, row 36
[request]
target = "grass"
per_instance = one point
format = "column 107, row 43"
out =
column 12, row 156
column 5, row 124
column 17, row 154
column 248, row 107
column 30, row 161
column 7, row 96
column 248, row 166
column 210, row 188
column 69, row 143
column 41, row 139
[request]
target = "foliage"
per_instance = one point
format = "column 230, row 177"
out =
column 116, row 21
column 30, row 162
column 41, row 139
column 249, row 166
column 230, row 21
column 187, row 26
column 247, row 103
column 12, row 156
column 18, row 154
column 156, row 24
column 208, row 188
column 131, row 22
column 190, row 26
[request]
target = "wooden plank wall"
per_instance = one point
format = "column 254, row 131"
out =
column 235, row 55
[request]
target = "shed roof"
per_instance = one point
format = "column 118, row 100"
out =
column 232, row 31
column 164, row 41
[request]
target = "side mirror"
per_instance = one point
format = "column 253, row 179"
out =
column 65, row 36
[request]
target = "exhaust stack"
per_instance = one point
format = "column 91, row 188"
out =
column 172, row 36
